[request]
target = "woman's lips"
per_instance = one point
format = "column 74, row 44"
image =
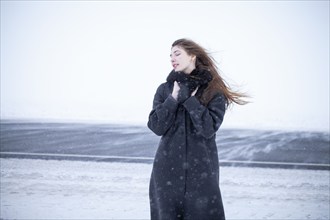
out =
column 175, row 65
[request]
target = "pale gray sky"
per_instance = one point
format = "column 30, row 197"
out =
column 104, row 60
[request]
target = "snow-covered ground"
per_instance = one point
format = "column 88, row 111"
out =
column 51, row 189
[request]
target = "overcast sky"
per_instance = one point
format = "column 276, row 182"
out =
column 104, row 60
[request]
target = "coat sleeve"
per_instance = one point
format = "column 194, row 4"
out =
column 163, row 112
column 206, row 119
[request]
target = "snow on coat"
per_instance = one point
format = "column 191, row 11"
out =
column 184, row 181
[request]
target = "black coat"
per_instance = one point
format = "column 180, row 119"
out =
column 184, row 181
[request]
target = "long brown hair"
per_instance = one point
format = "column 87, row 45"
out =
column 205, row 61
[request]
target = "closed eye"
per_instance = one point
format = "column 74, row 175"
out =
column 176, row 54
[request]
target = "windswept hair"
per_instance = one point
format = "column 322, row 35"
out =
column 205, row 61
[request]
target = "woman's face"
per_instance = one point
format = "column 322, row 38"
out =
column 181, row 61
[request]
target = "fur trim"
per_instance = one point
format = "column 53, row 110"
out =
column 197, row 78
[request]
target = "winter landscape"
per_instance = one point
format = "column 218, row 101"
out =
column 102, row 61
column 101, row 171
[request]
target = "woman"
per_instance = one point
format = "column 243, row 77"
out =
column 188, row 109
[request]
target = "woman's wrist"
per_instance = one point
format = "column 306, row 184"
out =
column 174, row 96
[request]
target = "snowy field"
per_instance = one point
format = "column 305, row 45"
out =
column 51, row 189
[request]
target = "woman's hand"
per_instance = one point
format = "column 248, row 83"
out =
column 194, row 92
column 176, row 89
